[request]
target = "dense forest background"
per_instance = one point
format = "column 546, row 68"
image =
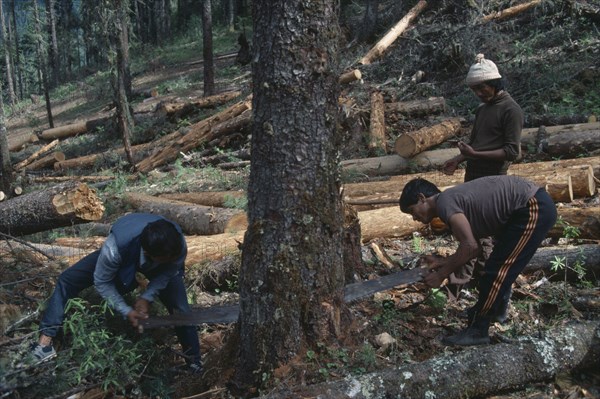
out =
column 117, row 66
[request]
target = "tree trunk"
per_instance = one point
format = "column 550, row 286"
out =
column 36, row 155
column 410, row 144
column 587, row 255
column 434, row 159
column 533, row 136
column 73, row 129
column 292, row 275
column 377, row 139
column 207, row 198
column 53, row 47
column 59, row 206
column 389, row 38
column 180, row 109
column 387, row 223
column 369, row 23
column 432, row 105
column 510, row 12
column 122, row 85
column 47, row 161
column 207, row 49
column 6, row 170
column 193, row 219
column 17, row 69
column 572, row 144
column 587, row 220
column 377, row 166
column 42, row 65
column 198, row 134
column 474, row 372
column 12, row 98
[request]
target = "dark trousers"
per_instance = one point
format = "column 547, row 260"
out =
column 81, row 275
column 515, row 246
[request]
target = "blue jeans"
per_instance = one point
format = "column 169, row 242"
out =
column 81, row 275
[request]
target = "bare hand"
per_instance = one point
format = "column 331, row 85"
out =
column 142, row 306
column 450, row 167
column 431, row 262
column 434, row 279
column 466, row 150
column 134, row 317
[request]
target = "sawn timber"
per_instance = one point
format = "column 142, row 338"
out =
column 229, row 313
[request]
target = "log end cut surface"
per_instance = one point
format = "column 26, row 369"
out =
column 82, row 202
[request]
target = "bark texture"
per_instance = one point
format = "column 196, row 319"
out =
column 474, row 372
column 410, row 144
column 292, row 277
column 59, row 206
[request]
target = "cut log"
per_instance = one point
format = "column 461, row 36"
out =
column 141, row 150
column 432, row 105
column 510, row 12
column 375, row 201
column 206, row 248
column 47, row 161
column 2, row 196
column 204, row 102
column 387, row 223
column 587, row 220
column 73, row 129
column 199, row 133
column 435, row 158
column 17, row 190
column 207, row 198
column 350, row 76
column 193, row 219
column 36, row 155
column 60, row 179
column 473, row 372
column 572, row 144
column 587, row 256
column 40, row 253
column 377, row 140
column 59, row 206
column 390, row 37
column 535, row 135
column 410, row 144
column 18, row 144
column 377, row 166
column 559, row 188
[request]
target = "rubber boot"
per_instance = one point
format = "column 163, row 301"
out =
column 475, row 334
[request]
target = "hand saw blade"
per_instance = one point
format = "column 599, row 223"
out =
column 362, row 289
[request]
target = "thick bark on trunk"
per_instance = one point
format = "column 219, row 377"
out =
column 510, row 12
column 573, row 143
column 535, row 135
column 377, row 140
column 389, row 38
column 410, row 144
column 416, row 108
column 59, row 206
column 61, row 179
column 193, row 219
column 200, row 133
column 207, row 198
column 377, row 166
column 475, row 372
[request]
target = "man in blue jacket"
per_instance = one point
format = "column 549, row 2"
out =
column 138, row 242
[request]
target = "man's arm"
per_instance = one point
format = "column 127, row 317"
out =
column 105, row 274
column 468, row 248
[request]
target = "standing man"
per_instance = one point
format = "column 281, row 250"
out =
column 138, row 242
column 514, row 210
column 494, row 143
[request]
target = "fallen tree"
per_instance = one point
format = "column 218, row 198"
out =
column 473, row 372
column 181, row 108
column 416, row 108
column 206, row 198
column 193, row 219
column 59, row 206
column 36, row 155
column 412, row 143
column 376, row 166
column 377, row 140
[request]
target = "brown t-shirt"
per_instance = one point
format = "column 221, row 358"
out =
column 497, row 125
column 487, row 202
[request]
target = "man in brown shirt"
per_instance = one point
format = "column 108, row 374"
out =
column 494, row 143
column 515, row 211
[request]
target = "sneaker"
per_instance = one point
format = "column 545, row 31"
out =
column 195, row 368
column 40, row 353
column 467, row 337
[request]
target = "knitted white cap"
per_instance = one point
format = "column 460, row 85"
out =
column 482, row 70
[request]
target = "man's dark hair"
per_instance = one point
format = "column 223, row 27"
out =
column 410, row 192
column 161, row 238
column 498, row 84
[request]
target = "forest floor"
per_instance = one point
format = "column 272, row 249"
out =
column 553, row 71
